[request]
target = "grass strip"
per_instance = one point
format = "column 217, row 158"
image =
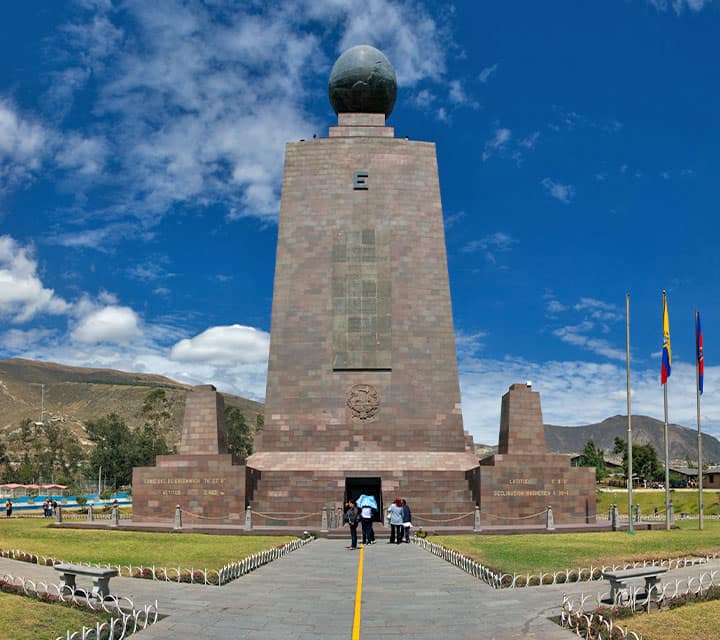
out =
column 700, row 621
column 535, row 553
column 187, row 550
column 683, row 500
column 23, row 618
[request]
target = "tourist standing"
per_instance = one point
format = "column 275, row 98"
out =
column 352, row 517
column 366, row 520
column 395, row 511
column 407, row 519
column 8, row 507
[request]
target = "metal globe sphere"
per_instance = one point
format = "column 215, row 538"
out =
column 362, row 80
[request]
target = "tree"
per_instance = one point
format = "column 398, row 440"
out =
column 48, row 451
column 114, row 450
column 645, row 460
column 147, row 444
column 240, row 435
column 592, row 456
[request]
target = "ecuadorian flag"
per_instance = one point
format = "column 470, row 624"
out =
column 666, row 351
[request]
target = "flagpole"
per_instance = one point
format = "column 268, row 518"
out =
column 665, row 434
column 698, row 355
column 631, row 529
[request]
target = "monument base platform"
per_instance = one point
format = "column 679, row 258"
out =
column 517, row 489
column 208, row 487
column 435, row 484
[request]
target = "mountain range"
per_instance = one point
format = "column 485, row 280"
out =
column 74, row 395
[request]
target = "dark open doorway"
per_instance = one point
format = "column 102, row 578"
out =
column 355, row 487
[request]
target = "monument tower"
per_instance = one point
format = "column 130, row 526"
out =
column 362, row 391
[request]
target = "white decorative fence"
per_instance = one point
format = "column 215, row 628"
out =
column 124, row 618
column 500, row 580
column 584, row 615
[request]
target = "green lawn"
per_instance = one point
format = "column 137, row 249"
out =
column 699, row 621
column 23, row 618
column 557, row 551
column 129, row 547
column 682, row 499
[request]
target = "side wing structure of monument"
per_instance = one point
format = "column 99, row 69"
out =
column 362, row 391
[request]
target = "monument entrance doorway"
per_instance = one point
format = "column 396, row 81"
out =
column 355, row 487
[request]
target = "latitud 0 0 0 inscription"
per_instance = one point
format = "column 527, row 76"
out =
column 557, row 488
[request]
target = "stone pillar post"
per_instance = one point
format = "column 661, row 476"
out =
column 115, row 516
column 58, row 514
column 248, row 519
column 672, row 514
column 550, row 521
column 178, row 518
column 476, row 526
column 324, row 525
column 90, row 513
column 614, row 517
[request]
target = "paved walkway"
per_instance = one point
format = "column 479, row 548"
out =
column 310, row 595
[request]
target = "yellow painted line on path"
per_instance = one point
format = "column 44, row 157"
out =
column 358, row 596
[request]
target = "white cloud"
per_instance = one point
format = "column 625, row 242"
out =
column 111, row 324
column 234, row 344
column 576, row 335
column 242, row 372
column 423, row 99
column 530, row 141
column 599, row 310
column 22, row 294
column 498, row 143
column 404, row 31
column 469, row 344
column 491, row 246
column 486, row 73
column 85, row 156
column 499, row 241
column 563, row 192
column 15, row 340
column 22, row 147
column 578, row 392
column 99, row 238
column 196, row 105
column 458, row 96
column 554, row 307
column 679, row 6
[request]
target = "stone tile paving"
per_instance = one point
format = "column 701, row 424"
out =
column 310, row 594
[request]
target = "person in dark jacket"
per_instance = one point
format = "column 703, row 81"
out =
column 352, row 517
column 407, row 519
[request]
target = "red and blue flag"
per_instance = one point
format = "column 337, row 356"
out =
column 699, row 354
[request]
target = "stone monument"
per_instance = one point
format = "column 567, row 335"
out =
column 362, row 390
column 204, row 479
column 523, row 479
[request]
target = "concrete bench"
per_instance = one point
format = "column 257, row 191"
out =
column 101, row 577
column 619, row 579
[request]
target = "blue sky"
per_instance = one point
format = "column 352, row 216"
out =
column 141, row 152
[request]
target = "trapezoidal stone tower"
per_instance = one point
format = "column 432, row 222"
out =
column 362, row 391
column 517, row 484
